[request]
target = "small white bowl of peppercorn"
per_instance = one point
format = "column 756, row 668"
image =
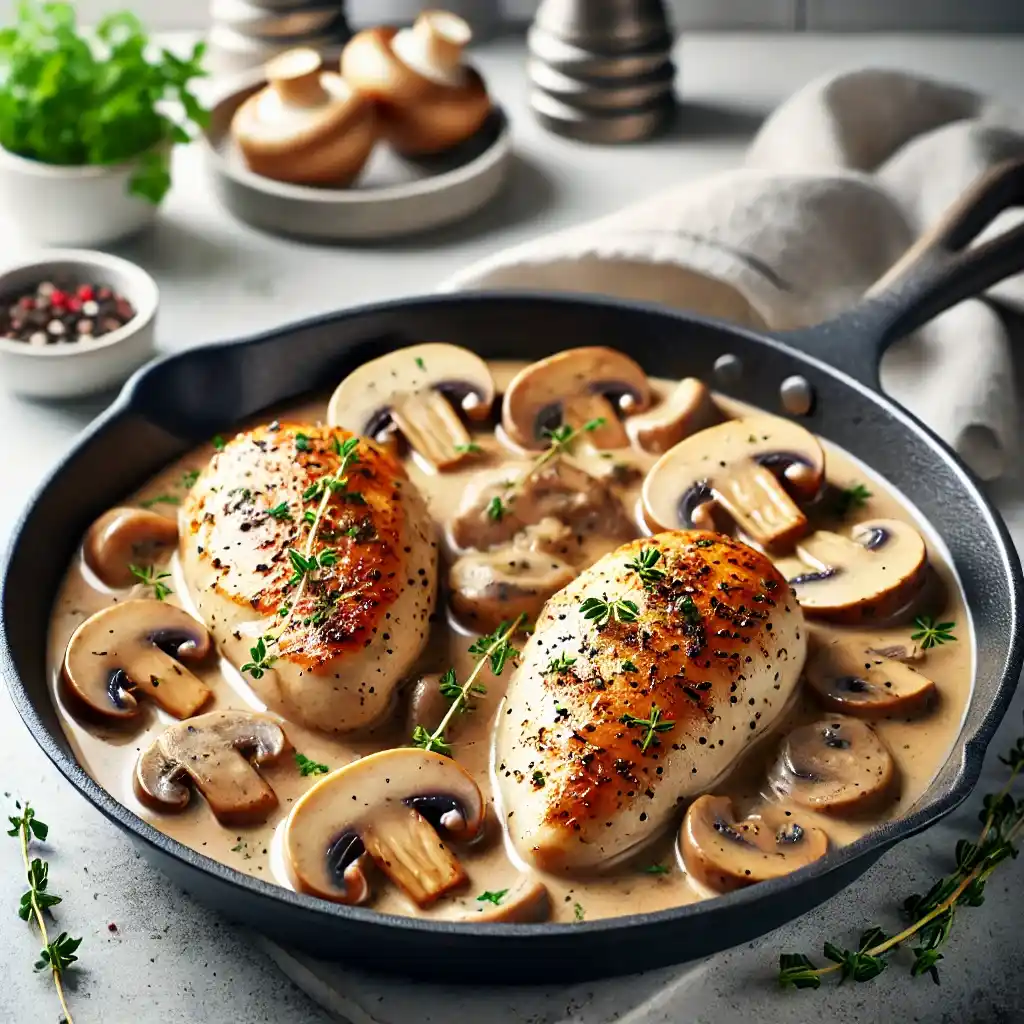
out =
column 74, row 322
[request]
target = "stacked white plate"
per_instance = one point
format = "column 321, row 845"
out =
column 247, row 33
column 601, row 70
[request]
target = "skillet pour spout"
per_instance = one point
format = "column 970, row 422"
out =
column 182, row 400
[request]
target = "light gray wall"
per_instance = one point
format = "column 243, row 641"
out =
column 825, row 15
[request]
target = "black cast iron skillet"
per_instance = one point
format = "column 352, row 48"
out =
column 184, row 399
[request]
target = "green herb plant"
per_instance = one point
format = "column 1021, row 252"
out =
column 57, row 955
column 495, row 650
column 652, row 726
column 933, row 914
column 76, row 99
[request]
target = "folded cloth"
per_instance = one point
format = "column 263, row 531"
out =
column 838, row 183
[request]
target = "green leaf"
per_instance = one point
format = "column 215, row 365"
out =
column 925, row 961
column 427, row 741
column 307, row 766
column 492, row 897
column 797, row 971
column 38, row 828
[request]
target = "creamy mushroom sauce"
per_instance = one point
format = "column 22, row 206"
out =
column 920, row 746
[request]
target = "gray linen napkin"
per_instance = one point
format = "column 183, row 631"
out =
column 838, row 183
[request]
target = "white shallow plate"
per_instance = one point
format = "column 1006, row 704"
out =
column 391, row 198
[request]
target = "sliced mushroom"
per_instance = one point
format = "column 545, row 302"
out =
column 527, row 901
column 558, row 490
column 848, row 676
column 124, row 537
column 837, row 765
column 725, row 854
column 216, row 752
column 133, row 647
column 388, row 806
column 746, row 467
column 410, row 391
column 870, row 575
column 687, row 410
column 573, row 388
column 500, row 585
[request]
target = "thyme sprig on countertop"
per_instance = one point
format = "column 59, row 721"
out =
column 933, row 914
column 495, row 650
column 560, row 441
column 59, row 954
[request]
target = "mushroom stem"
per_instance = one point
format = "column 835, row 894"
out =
column 295, row 76
column 439, row 38
column 761, row 509
column 407, row 849
column 432, row 427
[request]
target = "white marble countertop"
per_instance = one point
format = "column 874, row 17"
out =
column 171, row 960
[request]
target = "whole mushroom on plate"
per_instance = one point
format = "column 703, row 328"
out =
column 308, row 126
column 430, row 100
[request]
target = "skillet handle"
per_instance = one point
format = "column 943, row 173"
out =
column 937, row 272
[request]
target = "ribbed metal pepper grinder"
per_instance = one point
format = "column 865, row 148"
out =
column 601, row 70
column 248, row 33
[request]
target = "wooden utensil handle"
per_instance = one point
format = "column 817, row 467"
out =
column 937, row 272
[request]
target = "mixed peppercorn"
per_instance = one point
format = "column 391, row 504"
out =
column 52, row 313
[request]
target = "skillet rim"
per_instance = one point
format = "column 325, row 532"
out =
column 867, row 848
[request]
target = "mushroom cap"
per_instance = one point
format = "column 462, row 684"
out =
column 491, row 587
column 410, row 391
column 575, row 387
column 687, row 409
column 136, row 646
column 850, row 677
column 870, row 575
column 389, row 806
column 837, row 765
column 217, row 752
column 308, row 126
column 429, row 100
column 124, row 537
column 747, row 467
column 525, row 902
column 724, row 854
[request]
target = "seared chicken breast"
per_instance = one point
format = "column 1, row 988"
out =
column 343, row 613
column 645, row 680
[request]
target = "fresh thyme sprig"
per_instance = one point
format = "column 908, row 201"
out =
column 307, row 766
column 305, row 563
column 850, row 498
column 933, row 914
column 492, row 897
column 601, row 610
column 652, row 725
column 560, row 440
column 644, row 566
column 562, row 663
column 931, row 633
column 149, row 577
column 57, row 955
column 495, row 650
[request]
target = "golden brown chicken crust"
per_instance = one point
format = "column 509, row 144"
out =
column 246, row 533
column 699, row 627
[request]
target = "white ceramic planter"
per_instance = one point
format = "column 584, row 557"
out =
column 72, row 369
column 75, row 206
